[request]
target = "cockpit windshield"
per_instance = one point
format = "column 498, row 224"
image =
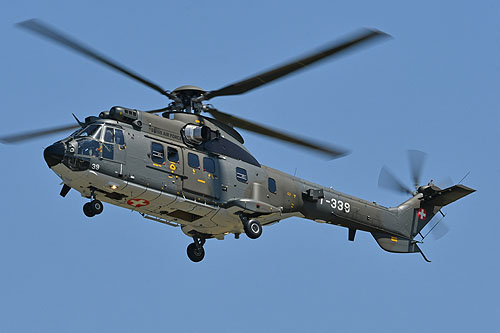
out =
column 93, row 131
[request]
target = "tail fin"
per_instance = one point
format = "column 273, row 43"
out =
column 414, row 214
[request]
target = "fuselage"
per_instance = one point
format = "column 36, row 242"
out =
column 168, row 170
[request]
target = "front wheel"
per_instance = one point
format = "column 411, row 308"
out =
column 97, row 206
column 253, row 229
column 87, row 210
column 195, row 252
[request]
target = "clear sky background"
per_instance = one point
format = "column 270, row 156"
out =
column 433, row 87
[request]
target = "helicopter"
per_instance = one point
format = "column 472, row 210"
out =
column 191, row 171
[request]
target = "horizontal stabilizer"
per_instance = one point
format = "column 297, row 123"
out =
column 448, row 195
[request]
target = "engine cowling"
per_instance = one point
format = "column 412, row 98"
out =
column 197, row 134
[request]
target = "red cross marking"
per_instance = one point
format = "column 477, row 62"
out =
column 138, row 202
column 421, row 214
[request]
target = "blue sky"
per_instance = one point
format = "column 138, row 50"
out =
column 433, row 87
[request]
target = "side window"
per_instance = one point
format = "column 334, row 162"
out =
column 208, row 165
column 193, row 161
column 172, row 154
column 157, row 153
column 271, row 185
column 119, row 139
column 241, row 175
column 107, row 150
column 108, row 135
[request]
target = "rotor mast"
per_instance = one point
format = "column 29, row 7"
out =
column 186, row 100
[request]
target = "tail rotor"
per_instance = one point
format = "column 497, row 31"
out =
column 416, row 160
column 389, row 181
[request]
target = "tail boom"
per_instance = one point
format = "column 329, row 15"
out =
column 415, row 213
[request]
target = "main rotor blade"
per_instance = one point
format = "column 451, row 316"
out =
column 276, row 73
column 40, row 28
column 416, row 159
column 275, row 134
column 36, row 134
column 388, row 181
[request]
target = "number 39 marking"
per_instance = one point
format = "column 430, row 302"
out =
column 340, row 205
column 95, row 166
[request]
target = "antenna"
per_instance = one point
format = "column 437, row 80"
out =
column 461, row 180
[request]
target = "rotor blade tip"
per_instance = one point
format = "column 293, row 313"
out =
column 338, row 154
column 27, row 23
column 343, row 153
column 374, row 32
column 379, row 33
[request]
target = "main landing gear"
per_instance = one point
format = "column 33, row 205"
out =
column 195, row 250
column 252, row 227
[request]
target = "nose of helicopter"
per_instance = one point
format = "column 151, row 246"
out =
column 53, row 154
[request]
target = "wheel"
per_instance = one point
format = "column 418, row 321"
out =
column 88, row 210
column 195, row 253
column 253, row 229
column 97, row 206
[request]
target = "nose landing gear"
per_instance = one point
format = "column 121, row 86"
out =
column 95, row 207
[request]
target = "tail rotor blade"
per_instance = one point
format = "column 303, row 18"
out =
column 440, row 231
column 417, row 160
column 444, row 182
column 388, row 181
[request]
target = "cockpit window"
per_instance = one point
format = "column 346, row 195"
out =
column 75, row 133
column 91, row 130
column 109, row 135
column 88, row 147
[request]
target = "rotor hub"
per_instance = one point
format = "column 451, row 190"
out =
column 187, row 94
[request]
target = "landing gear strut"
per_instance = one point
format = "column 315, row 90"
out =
column 93, row 207
column 195, row 250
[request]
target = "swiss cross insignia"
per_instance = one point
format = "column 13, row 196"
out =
column 138, row 202
column 421, row 213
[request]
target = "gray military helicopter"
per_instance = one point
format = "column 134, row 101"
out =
column 191, row 171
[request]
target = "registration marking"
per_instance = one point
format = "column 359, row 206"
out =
column 340, row 205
